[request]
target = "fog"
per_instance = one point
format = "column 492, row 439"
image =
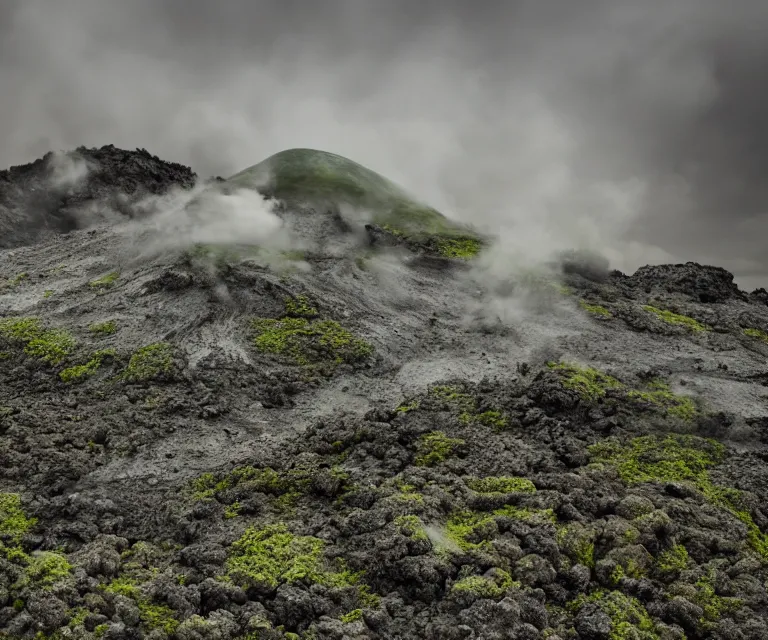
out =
column 638, row 129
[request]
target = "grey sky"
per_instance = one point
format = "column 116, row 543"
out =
column 640, row 127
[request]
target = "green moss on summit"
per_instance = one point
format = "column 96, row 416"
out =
column 321, row 178
column 299, row 307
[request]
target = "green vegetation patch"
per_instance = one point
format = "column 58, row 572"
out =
column 629, row 618
column 676, row 319
column 673, row 560
column 467, row 406
column 17, row 279
column 589, row 383
column 299, row 307
column 105, row 282
column 286, row 486
column 715, row 606
column 273, row 555
column 463, row 249
column 49, row 345
column 152, row 615
column 45, row 569
column 500, row 484
column 411, row 526
column 759, row 334
column 149, row 362
column 81, row 372
column 494, row 586
column 578, row 542
column 13, row 522
column 659, row 395
column 308, row 342
column 103, row 328
column 471, row 530
column 321, row 178
column 679, row 458
column 436, row 447
column 595, row 309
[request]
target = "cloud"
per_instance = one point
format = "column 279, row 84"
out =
column 635, row 127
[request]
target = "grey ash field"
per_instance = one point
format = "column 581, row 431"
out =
column 369, row 437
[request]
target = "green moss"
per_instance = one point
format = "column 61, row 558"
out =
column 674, row 458
column 299, row 307
column 756, row 333
column 352, row 616
column 45, row 569
column 629, row 618
column 48, row 293
column 590, row 383
column 464, row 248
column 578, row 542
column 715, row 606
column 157, row 616
column 486, row 587
column 500, row 484
column 469, row 530
column 273, row 555
column 405, row 408
column 540, row 516
column 13, row 522
column 104, row 328
column 232, row 511
column 308, row 342
column 100, row 630
column 124, row 587
column 466, row 405
column 153, row 616
column 83, row 371
column 673, row 560
column 149, row 362
column 676, row 319
column 595, row 309
column 435, row 447
column 105, row 282
column 679, row 458
column 49, row 345
column 411, row 526
column 17, row 279
column 659, row 395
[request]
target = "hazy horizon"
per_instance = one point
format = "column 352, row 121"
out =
column 635, row 129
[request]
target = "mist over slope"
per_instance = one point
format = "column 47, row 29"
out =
column 225, row 414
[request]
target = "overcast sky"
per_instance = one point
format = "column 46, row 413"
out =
column 640, row 127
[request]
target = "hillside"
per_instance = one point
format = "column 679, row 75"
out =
column 361, row 430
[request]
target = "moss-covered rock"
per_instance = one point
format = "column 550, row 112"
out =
column 320, row 178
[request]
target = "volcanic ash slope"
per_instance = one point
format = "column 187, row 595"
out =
column 346, row 426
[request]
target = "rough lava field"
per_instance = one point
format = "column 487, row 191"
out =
column 358, row 428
